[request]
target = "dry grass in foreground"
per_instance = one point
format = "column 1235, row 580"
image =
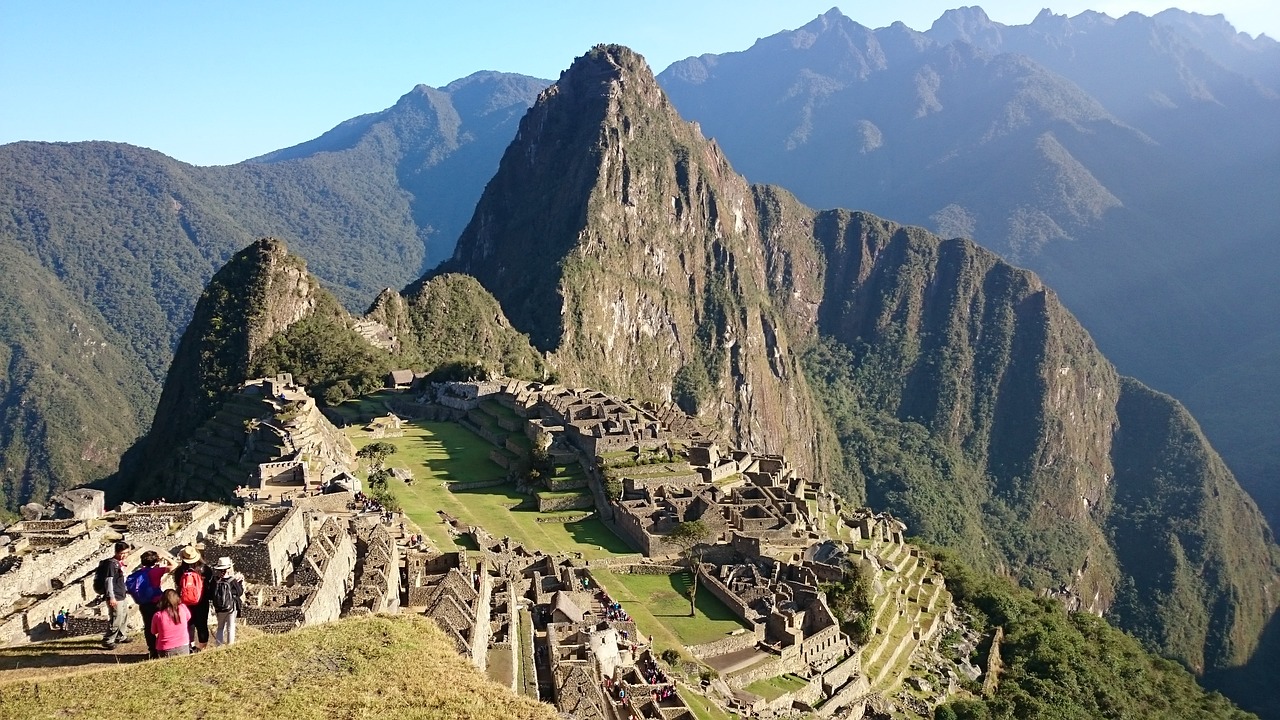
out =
column 384, row 666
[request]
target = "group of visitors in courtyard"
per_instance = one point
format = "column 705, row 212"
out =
column 612, row 609
column 175, row 602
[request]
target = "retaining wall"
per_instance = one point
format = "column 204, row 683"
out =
column 732, row 643
column 728, row 597
column 572, row 502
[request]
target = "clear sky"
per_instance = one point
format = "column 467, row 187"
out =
column 219, row 82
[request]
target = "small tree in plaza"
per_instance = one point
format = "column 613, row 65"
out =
column 691, row 536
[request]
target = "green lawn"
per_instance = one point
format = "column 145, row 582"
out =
column 447, row 452
column 775, row 687
column 660, row 606
column 704, row 709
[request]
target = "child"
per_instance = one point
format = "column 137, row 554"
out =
column 169, row 625
column 144, row 587
column 60, row 622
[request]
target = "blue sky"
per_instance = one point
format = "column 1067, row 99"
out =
column 219, row 82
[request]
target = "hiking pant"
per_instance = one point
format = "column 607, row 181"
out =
column 118, row 630
column 226, row 632
column 199, row 625
column 149, row 611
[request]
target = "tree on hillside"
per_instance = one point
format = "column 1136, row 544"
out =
column 376, row 453
column 691, row 536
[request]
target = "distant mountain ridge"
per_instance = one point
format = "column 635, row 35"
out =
column 127, row 237
column 1133, row 162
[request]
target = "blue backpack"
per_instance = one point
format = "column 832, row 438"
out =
column 140, row 588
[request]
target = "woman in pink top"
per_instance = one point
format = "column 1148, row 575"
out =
column 169, row 625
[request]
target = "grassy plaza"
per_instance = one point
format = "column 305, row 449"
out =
column 439, row 453
column 660, row 606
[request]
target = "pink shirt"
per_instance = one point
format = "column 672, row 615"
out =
column 169, row 634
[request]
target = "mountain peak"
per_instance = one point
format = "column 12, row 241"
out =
column 607, row 60
column 964, row 24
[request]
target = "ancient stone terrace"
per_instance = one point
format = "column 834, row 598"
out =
column 794, row 632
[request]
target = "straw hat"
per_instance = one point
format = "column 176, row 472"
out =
column 189, row 555
column 224, row 563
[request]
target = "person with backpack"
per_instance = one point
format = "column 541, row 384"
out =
column 194, row 582
column 228, row 600
column 108, row 581
column 170, row 625
column 143, row 585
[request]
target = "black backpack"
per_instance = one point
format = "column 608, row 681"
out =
column 224, row 595
column 102, row 576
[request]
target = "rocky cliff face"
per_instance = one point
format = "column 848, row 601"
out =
column 624, row 244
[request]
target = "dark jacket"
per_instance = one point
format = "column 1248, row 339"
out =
column 115, row 581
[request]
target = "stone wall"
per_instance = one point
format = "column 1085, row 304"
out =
column 629, row 528
column 377, row 588
column 202, row 525
column 33, row 572
column 567, row 483
column 772, row 668
column 853, row 695
column 335, row 502
column 19, row 626
column 649, row 569
column 463, row 486
column 564, row 519
column 614, row 561
column 731, row 643
column 286, row 541
column 840, row 674
column 728, row 597
column 483, row 431
column 65, row 528
column 325, row 603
